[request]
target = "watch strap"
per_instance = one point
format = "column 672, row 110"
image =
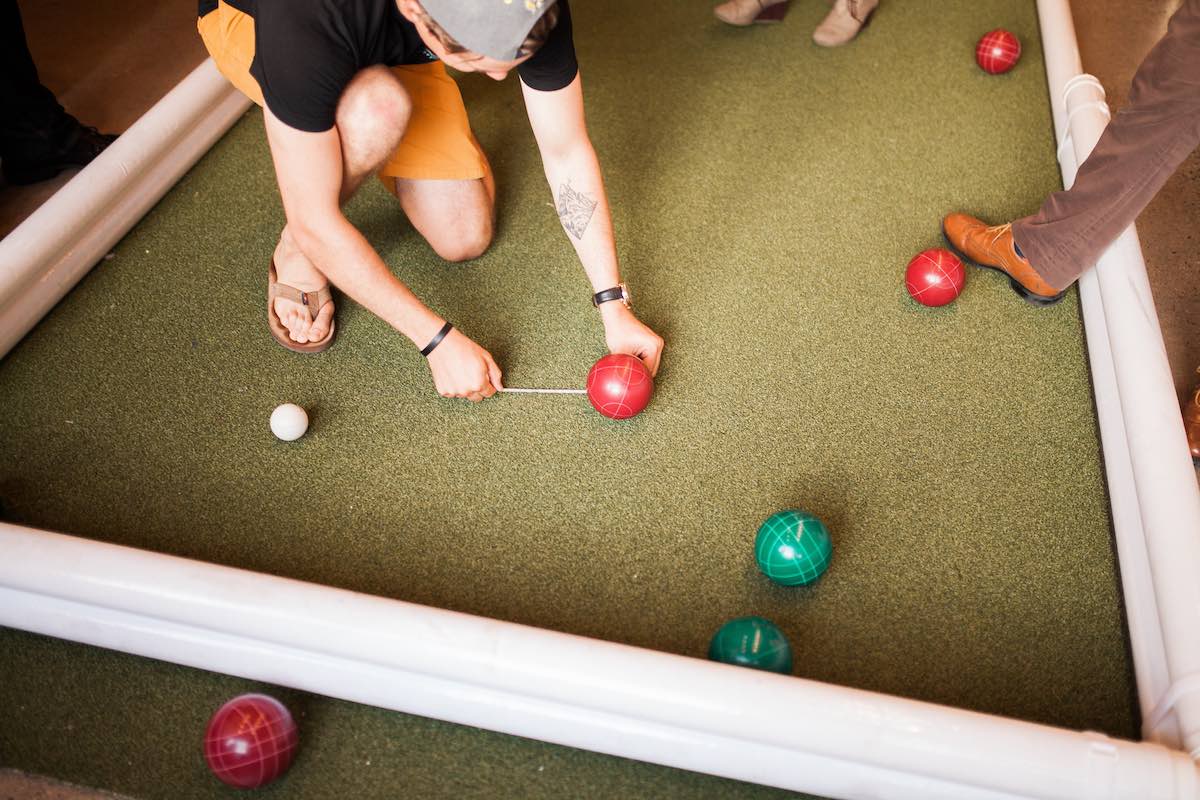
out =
column 615, row 293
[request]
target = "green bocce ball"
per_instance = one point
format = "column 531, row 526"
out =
column 752, row 642
column 793, row 547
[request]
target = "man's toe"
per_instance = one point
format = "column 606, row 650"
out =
column 320, row 326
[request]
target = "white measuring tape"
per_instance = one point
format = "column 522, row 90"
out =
column 544, row 391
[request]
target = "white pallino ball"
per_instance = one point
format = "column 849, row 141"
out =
column 289, row 422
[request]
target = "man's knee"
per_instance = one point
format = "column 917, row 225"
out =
column 463, row 242
column 374, row 111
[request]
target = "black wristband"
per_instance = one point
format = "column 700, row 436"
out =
column 437, row 339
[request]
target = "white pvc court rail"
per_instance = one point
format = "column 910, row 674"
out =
column 638, row 703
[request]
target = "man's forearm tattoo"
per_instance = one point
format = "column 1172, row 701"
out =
column 574, row 210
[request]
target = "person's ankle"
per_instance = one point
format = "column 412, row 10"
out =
column 1033, row 270
column 294, row 267
column 1020, row 253
column 288, row 252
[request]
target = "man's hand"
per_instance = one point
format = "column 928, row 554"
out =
column 625, row 333
column 462, row 368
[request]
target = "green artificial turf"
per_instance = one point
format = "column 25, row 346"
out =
column 767, row 195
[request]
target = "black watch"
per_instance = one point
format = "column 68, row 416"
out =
column 618, row 292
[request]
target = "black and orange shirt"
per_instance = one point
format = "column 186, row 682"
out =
column 307, row 51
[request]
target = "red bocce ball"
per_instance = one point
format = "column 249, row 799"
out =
column 250, row 741
column 934, row 277
column 619, row 385
column 997, row 51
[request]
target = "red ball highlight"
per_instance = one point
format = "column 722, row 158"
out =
column 998, row 51
column 619, row 385
column 250, row 741
column 934, row 277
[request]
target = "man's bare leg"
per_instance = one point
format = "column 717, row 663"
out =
column 371, row 117
column 457, row 218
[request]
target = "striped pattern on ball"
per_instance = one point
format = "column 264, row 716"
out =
column 998, row 51
column 752, row 642
column 250, row 741
column 619, row 386
column 793, row 547
column 934, row 277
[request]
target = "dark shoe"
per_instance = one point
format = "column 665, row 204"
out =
column 83, row 145
column 1191, row 423
column 993, row 248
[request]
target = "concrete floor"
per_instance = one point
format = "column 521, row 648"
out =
column 1114, row 36
column 108, row 68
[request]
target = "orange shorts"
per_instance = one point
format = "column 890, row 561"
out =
column 438, row 143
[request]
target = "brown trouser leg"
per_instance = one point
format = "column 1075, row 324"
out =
column 1143, row 144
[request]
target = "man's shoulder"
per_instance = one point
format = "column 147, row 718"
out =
column 554, row 65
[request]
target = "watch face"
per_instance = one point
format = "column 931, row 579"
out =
column 626, row 296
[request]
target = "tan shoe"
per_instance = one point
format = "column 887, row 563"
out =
column 1191, row 423
column 747, row 12
column 844, row 21
column 993, row 247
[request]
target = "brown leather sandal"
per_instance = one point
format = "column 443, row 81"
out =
column 315, row 301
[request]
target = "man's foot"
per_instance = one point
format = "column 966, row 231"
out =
column 844, row 21
column 746, row 12
column 994, row 248
column 1191, row 423
column 82, row 145
column 300, row 300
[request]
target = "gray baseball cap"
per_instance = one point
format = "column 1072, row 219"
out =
column 495, row 28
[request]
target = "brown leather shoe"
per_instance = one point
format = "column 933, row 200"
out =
column 1191, row 423
column 992, row 247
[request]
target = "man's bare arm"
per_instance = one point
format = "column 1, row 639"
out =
column 573, row 171
column 308, row 167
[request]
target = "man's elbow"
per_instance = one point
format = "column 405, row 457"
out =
column 568, row 154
